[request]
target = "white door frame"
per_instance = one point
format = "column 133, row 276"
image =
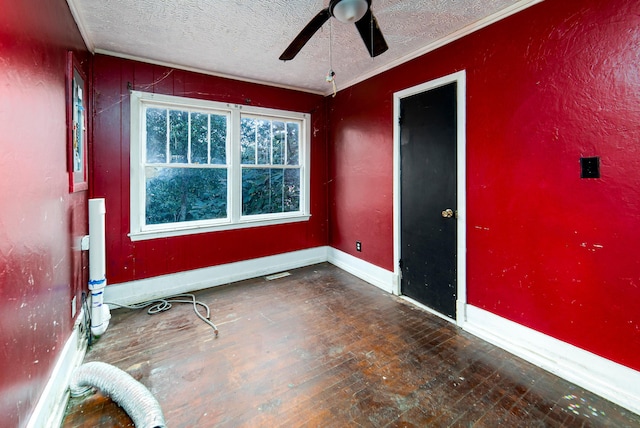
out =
column 461, row 267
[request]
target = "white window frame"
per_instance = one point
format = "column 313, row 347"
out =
column 234, row 220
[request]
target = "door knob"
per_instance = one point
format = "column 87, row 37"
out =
column 448, row 213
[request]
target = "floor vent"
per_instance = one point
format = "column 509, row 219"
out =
column 276, row 276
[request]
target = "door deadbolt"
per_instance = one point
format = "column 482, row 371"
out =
column 448, row 213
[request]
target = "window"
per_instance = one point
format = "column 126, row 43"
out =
column 200, row 166
column 270, row 165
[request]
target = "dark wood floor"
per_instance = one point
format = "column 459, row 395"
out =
column 320, row 348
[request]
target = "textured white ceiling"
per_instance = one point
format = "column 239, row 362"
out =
column 244, row 38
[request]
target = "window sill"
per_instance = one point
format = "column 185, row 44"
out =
column 191, row 230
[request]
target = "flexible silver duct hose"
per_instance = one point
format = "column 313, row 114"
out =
column 141, row 406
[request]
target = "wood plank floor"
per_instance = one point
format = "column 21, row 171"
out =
column 321, row 348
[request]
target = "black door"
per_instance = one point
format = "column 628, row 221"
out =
column 428, row 198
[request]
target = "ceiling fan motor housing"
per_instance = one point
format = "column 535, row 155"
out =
column 349, row 11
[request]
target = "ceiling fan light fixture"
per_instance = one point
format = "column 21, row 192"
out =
column 357, row 12
column 349, row 11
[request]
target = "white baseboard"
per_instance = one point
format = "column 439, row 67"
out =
column 128, row 293
column 610, row 380
column 381, row 278
column 614, row 382
column 143, row 290
column 49, row 412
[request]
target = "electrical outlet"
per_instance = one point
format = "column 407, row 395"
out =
column 358, row 246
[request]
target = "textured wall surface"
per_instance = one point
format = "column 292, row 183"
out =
column 127, row 260
column 40, row 221
column 545, row 248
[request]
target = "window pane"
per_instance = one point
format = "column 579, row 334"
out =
column 185, row 194
column 277, row 143
column 267, row 191
column 248, row 141
column 199, row 143
column 293, row 143
column 218, row 139
column 256, row 191
column 156, row 135
column 264, row 141
column 291, row 191
column 178, row 136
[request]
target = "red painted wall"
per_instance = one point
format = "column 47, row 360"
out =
column 127, row 260
column 40, row 222
column 545, row 248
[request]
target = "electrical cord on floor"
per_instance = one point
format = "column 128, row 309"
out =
column 161, row 305
column 87, row 319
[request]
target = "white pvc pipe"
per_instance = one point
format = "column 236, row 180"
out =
column 100, row 314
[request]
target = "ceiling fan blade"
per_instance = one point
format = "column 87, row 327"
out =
column 306, row 34
column 371, row 34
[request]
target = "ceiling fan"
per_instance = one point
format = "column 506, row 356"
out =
column 347, row 11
